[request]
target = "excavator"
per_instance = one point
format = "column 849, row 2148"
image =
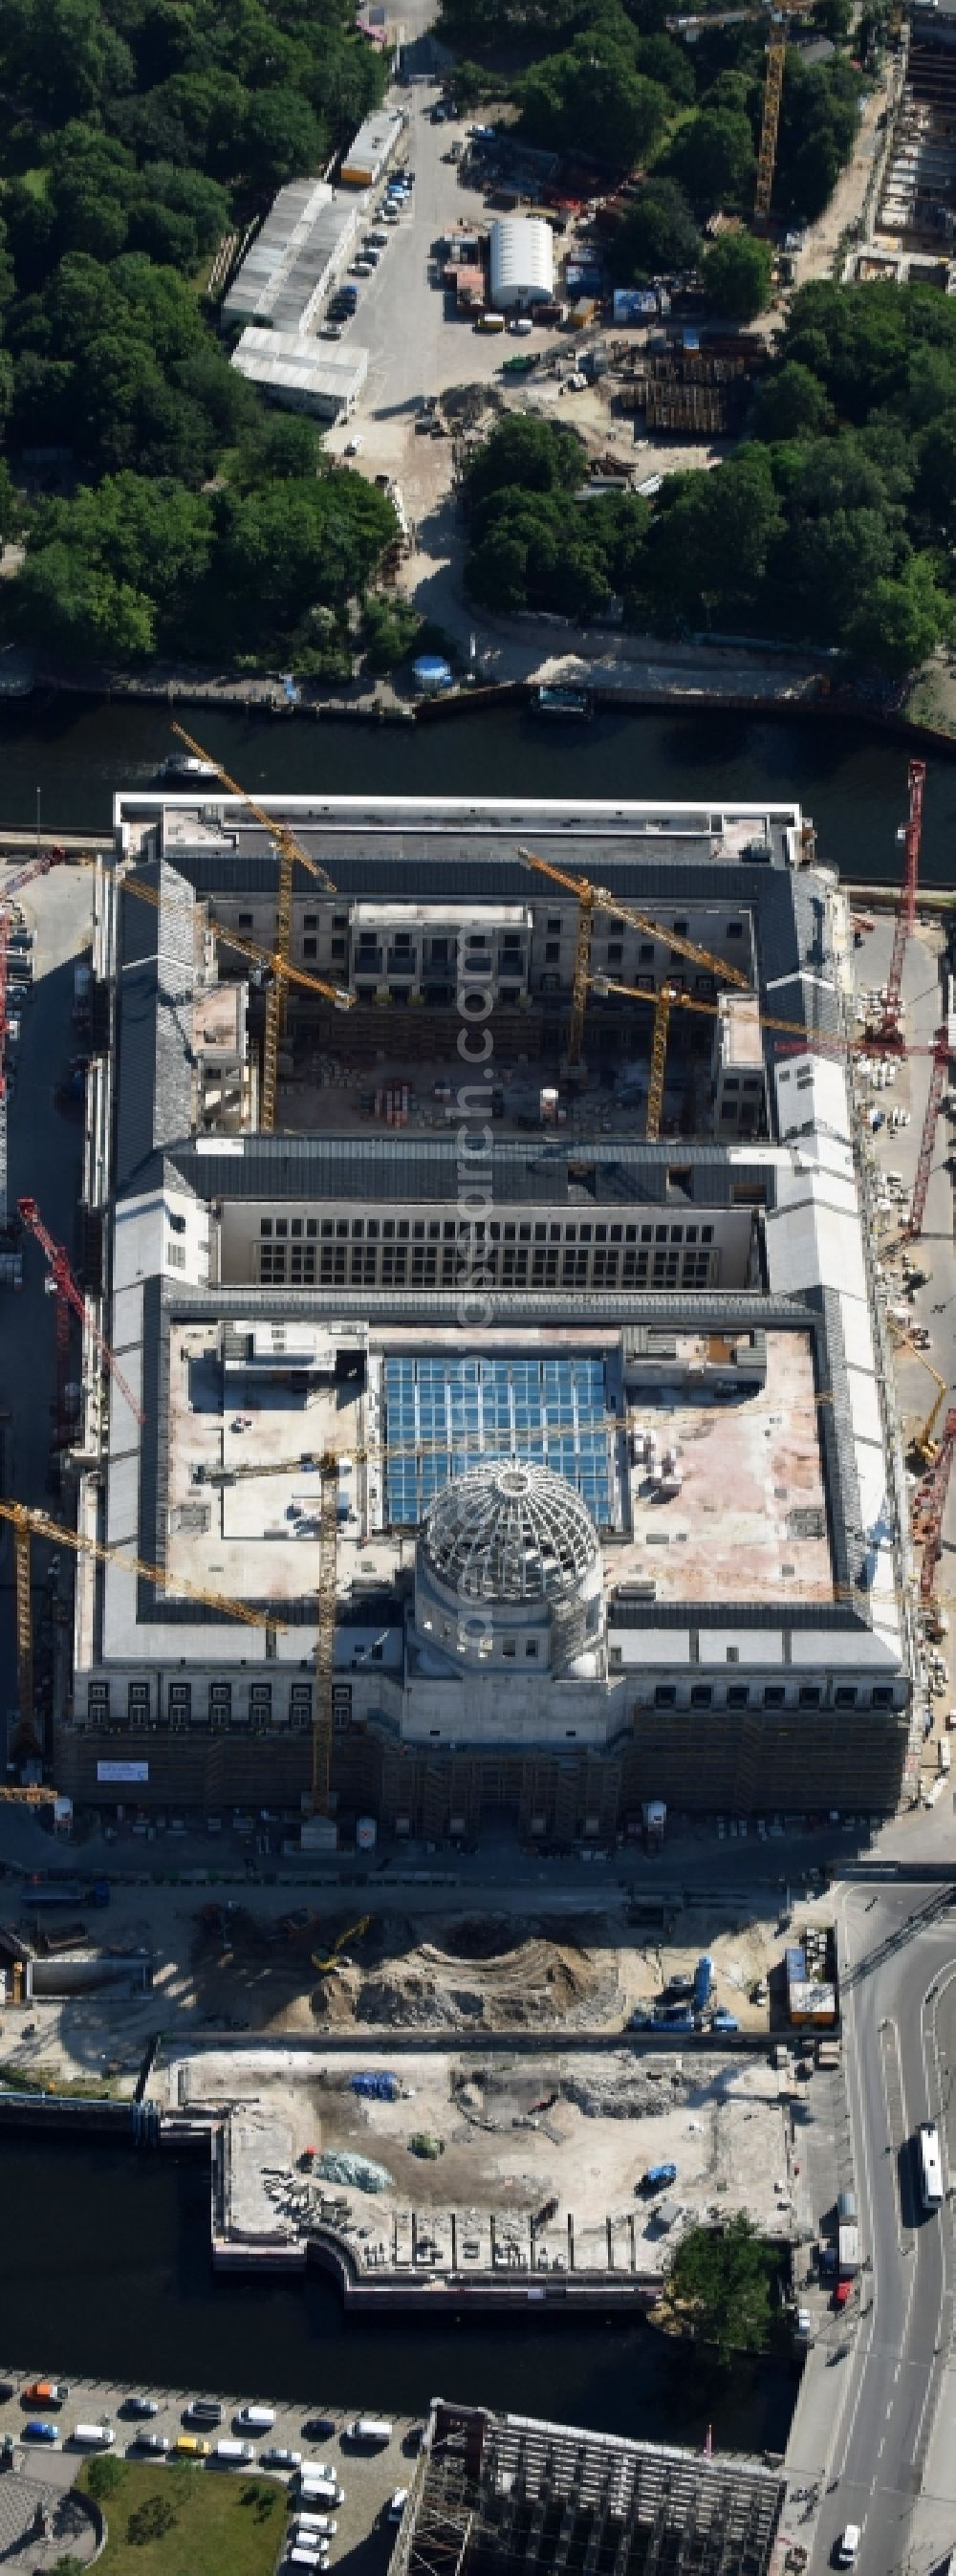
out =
column 324, row 1966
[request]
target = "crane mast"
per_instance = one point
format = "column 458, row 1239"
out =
column 289, row 851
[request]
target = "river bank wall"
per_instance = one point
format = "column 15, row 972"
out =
column 647, row 688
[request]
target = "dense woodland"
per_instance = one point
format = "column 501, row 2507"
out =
column 135, row 132
column 833, row 524
column 604, row 79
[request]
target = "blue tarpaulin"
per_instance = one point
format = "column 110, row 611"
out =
column 376, row 2087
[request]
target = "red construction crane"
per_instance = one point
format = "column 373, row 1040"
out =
column 888, row 1033
column 37, row 868
column 937, row 1080
column 929, row 1506
column 67, row 1295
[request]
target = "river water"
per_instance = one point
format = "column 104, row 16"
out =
column 849, row 778
column 106, row 2272
column 106, row 2269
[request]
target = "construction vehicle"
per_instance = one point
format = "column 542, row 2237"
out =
column 929, row 1505
column 39, row 867
column 289, row 851
column 69, row 1296
column 922, row 1448
column 595, row 898
column 323, row 1966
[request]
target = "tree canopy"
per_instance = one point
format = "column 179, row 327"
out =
column 720, row 2282
column 199, row 522
column 833, row 524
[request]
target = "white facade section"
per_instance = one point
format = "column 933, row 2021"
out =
column 371, row 150
column 522, row 262
column 305, row 375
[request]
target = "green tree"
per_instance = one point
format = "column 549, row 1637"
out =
column 713, row 157
column 710, row 544
column 791, row 403
column 720, row 2282
column 900, row 621
column 736, row 274
column 656, row 235
column 527, row 452
column 281, row 139
column 150, row 2521
column 104, row 2477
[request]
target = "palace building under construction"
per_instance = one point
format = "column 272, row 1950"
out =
column 501, row 1422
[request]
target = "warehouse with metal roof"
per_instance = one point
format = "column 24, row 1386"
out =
column 315, row 376
column 522, row 262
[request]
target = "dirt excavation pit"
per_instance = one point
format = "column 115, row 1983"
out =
column 494, row 1973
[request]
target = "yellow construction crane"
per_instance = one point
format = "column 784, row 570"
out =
column 597, row 898
column 27, row 1524
column 922, row 1445
column 772, row 98
column 282, row 972
column 289, row 850
column 353, row 1933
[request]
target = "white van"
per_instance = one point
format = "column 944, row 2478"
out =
column 315, row 2526
column 93, row 2437
column 320, row 2491
column 305, row 2558
column 370, row 2428
column 256, row 2419
column 234, row 2455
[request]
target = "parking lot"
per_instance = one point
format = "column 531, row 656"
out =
column 367, row 2477
column 417, row 347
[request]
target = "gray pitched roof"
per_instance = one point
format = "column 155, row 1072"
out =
column 154, row 1019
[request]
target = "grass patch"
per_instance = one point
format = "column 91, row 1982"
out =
column 180, row 2520
column 48, row 2079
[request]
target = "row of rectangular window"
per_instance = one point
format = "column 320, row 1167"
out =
column 556, row 927
column 357, row 1229
column 183, row 1703
column 423, row 1266
column 773, row 1695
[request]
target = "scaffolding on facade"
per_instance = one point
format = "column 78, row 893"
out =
column 493, row 2492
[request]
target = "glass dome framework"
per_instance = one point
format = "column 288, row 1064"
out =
column 513, row 1533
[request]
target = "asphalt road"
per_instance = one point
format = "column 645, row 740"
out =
column 899, row 1991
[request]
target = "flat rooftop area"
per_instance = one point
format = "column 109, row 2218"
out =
column 747, row 1521
column 750, row 1520
column 249, row 1538
column 411, row 829
column 512, row 2134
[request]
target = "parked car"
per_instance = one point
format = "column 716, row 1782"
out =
column 45, row 2392
column 139, row 2406
column 202, row 2410
column 189, row 2446
column 157, row 2444
column 276, row 2456
column 39, row 2431
column 397, row 2503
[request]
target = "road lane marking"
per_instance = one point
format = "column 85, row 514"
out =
column 895, row 2118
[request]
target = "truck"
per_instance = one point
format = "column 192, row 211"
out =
column 848, row 2252
column 40, row 1894
column 703, row 1981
